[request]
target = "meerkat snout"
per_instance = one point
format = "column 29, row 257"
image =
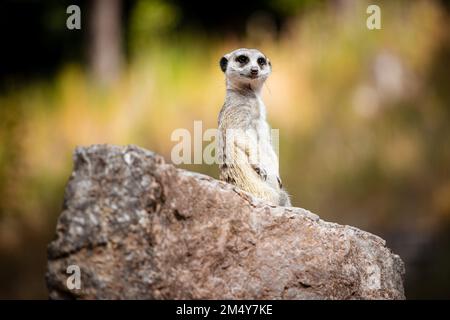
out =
column 254, row 71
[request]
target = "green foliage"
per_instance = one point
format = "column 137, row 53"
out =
column 151, row 21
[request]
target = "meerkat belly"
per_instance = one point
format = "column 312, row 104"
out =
column 268, row 157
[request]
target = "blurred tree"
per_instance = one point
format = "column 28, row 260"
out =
column 105, row 39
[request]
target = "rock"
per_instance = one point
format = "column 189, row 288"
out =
column 139, row 228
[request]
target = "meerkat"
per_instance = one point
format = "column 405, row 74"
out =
column 246, row 155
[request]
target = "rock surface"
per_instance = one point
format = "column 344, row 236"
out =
column 139, row 228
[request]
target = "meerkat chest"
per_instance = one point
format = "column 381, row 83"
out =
column 269, row 157
column 261, row 125
column 263, row 133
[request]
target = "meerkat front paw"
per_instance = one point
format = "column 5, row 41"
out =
column 260, row 171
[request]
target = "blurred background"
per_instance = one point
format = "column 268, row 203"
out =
column 363, row 114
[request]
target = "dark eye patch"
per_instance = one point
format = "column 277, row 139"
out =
column 262, row 61
column 242, row 59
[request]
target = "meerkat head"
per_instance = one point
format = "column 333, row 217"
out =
column 246, row 68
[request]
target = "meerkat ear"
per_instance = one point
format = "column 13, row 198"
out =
column 223, row 63
column 269, row 63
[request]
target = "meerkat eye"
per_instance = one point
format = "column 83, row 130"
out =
column 242, row 59
column 262, row 61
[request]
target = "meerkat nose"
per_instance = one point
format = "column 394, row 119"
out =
column 254, row 71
